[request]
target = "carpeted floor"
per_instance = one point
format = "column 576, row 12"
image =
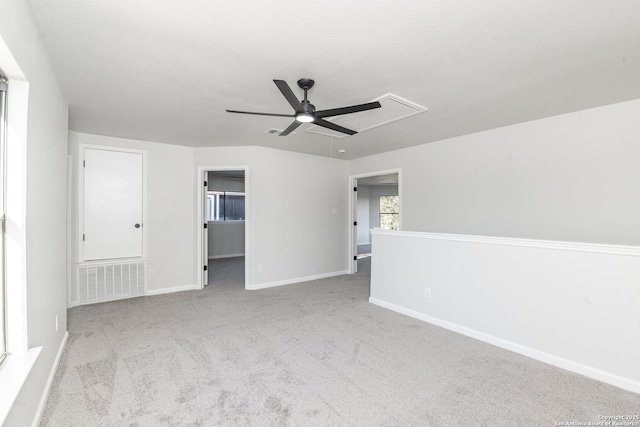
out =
column 226, row 271
column 312, row 354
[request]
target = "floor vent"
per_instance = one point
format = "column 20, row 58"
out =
column 110, row 281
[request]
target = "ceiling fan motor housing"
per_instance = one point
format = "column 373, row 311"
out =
column 305, row 84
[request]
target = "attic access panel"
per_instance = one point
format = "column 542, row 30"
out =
column 394, row 108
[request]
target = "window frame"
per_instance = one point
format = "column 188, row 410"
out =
column 397, row 213
column 4, row 88
column 215, row 210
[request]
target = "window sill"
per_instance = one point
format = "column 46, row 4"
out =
column 13, row 373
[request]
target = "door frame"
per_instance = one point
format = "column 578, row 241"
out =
column 80, row 211
column 352, row 247
column 200, row 178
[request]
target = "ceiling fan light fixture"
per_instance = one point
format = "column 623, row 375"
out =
column 304, row 118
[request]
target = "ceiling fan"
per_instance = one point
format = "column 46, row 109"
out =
column 305, row 111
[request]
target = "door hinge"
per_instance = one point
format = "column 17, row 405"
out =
column 206, row 225
column 83, row 237
column 355, row 188
column 355, row 222
column 205, row 268
column 355, row 257
column 84, row 163
column 205, row 183
column 4, row 223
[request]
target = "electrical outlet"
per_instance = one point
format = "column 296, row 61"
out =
column 427, row 293
column 334, row 211
column 260, row 268
column 57, row 323
column 152, row 272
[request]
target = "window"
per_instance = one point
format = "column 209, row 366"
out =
column 3, row 134
column 225, row 206
column 389, row 209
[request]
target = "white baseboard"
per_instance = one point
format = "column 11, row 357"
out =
column 172, row 290
column 569, row 365
column 226, row 256
column 47, row 387
column 296, row 280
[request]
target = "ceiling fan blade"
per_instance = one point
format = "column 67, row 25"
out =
column 325, row 124
column 288, row 93
column 348, row 110
column 291, row 128
column 260, row 114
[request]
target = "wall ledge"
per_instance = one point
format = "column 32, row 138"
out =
column 13, row 374
column 511, row 241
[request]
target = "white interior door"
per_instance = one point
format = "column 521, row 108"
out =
column 205, row 230
column 354, row 229
column 113, row 204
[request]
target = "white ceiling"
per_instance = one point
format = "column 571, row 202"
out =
column 165, row 70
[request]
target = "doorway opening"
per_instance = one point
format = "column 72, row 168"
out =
column 375, row 203
column 223, row 233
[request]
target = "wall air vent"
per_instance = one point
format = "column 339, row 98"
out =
column 277, row 132
column 109, row 281
column 393, row 109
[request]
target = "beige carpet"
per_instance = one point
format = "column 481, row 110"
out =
column 313, row 354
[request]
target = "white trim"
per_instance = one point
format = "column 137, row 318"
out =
column 200, row 177
column 47, row 387
column 296, row 280
column 417, row 110
column 226, row 256
column 352, row 237
column 541, row 356
column 111, row 261
column 13, row 373
column 70, row 243
column 510, row 241
column 162, row 291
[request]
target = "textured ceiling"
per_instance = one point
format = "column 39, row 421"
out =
column 165, row 70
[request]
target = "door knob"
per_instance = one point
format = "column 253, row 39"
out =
column 137, row 225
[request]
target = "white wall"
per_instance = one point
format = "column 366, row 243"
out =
column 294, row 233
column 571, row 305
column 572, row 177
column 226, row 239
column 362, row 207
column 170, row 207
column 45, row 217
